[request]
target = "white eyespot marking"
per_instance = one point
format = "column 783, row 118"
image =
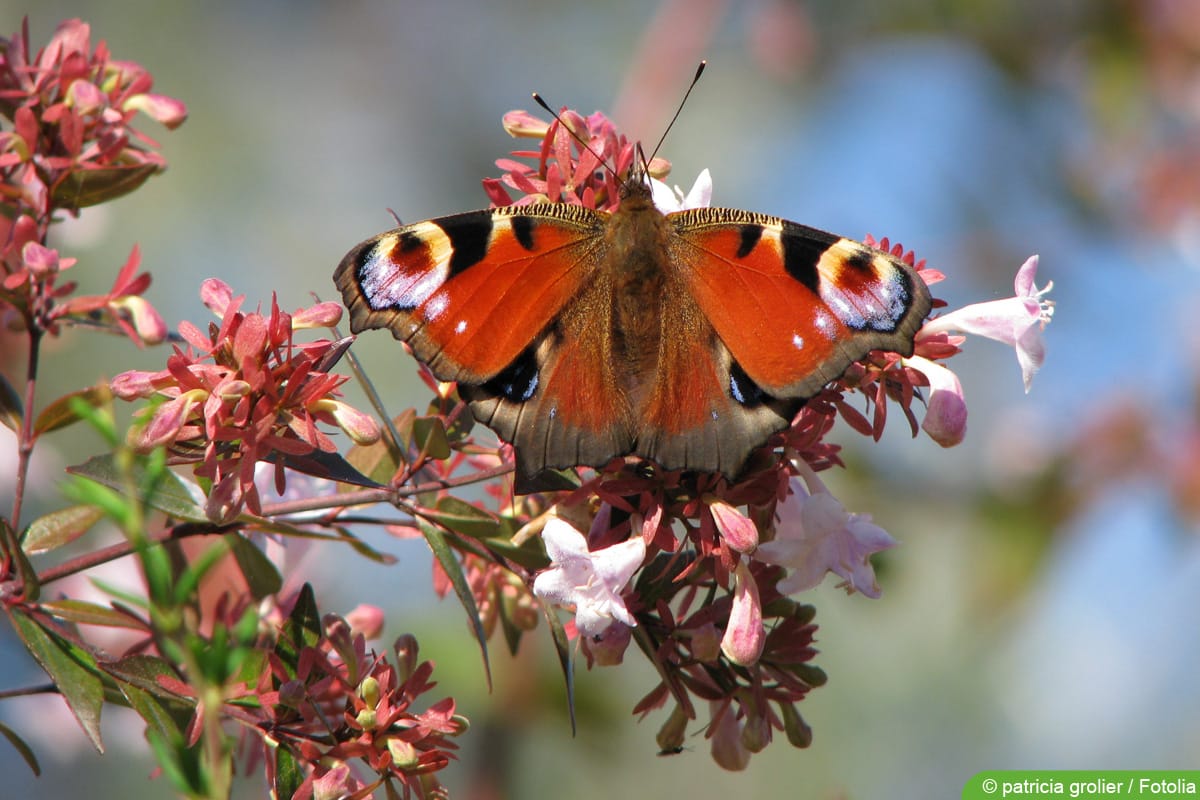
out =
column 461, row 326
column 553, row 412
column 387, row 282
column 797, row 341
column 715, row 415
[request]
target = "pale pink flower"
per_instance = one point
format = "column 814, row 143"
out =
column 1016, row 321
column 591, row 581
column 815, row 535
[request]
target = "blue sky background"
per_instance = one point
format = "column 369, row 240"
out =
column 309, row 119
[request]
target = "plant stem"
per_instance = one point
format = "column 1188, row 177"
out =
column 25, row 437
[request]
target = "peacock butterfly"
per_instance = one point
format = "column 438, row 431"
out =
column 581, row 335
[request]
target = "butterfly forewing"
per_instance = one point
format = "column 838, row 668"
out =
column 471, row 292
column 794, row 305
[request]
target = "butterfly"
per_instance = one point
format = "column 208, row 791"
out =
column 579, row 336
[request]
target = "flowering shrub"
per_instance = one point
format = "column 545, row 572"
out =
column 701, row 573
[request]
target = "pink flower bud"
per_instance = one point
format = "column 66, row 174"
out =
column 727, row 748
column 407, row 651
column 170, row 112
column 367, row 620
column 946, row 413
column 224, row 501
column 736, row 528
column 671, row 735
column 404, row 754
column 334, row 784
column 360, row 427
column 43, row 261
column 322, row 315
column 744, row 635
column 756, row 730
column 167, row 421
column 216, row 295
column 522, row 124
column 292, row 694
column 608, row 648
column 798, row 732
column 85, row 96
column 232, row 389
column 133, row 385
column 146, row 320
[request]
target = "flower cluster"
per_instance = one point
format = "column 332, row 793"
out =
column 72, row 145
column 700, row 571
column 242, row 393
column 337, row 705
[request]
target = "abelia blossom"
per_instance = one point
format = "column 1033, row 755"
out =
column 815, row 535
column 1017, row 321
column 589, row 581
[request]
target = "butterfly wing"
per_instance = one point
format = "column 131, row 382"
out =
column 770, row 312
column 794, row 305
column 508, row 303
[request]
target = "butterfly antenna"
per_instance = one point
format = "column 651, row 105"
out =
column 584, row 143
column 686, row 95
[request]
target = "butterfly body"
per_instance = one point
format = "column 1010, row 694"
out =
column 579, row 335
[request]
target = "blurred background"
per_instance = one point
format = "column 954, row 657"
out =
column 1041, row 611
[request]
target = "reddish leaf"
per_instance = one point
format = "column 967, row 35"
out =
column 59, row 527
column 59, row 413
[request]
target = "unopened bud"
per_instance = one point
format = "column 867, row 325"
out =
column 670, row 736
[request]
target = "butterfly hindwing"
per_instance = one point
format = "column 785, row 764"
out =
column 794, row 305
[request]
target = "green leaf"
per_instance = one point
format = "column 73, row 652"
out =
column 262, row 578
column 429, row 435
column 19, row 745
column 59, row 527
column 149, row 709
column 376, row 460
column 302, row 629
column 288, row 774
column 562, row 646
column 462, row 517
column 80, row 686
column 60, row 414
column 88, row 187
column 11, row 408
column 143, row 672
column 84, row 613
column 30, row 585
column 326, row 465
column 445, row 556
column 172, row 495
